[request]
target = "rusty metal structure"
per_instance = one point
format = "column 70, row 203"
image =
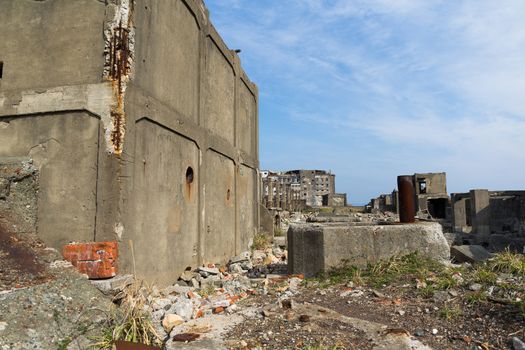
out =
column 407, row 204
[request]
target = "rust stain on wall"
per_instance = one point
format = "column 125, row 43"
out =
column 119, row 62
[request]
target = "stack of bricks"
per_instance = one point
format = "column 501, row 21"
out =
column 96, row 259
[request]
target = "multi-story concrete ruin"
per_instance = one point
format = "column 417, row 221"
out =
column 296, row 189
column 141, row 123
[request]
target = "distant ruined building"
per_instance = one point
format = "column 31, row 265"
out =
column 295, row 190
column 141, row 125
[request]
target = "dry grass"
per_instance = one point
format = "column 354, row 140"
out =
column 130, row 322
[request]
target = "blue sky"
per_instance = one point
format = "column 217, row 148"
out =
column 372, row 89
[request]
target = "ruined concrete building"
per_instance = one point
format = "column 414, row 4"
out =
column 431, row 196
column 297, row 189
column 494, row 219
column 141, row 125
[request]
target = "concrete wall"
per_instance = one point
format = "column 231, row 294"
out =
column 114, row 129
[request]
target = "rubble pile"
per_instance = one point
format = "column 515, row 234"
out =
column 213, row 289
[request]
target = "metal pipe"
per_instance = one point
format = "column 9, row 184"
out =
column 407, row 198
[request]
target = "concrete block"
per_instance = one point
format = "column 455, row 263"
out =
column 469, row 253
column 279, row 241
column 315, row 248
column 113, row 286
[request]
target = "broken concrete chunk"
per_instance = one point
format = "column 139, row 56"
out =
column 241, row 257
column 171, row 320
column 113, row 286
column 469, row 253
column 206, row 271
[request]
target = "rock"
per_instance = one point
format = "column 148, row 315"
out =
column 244, row 256
column 475, row 287
column 187, row 276
column 236, row 268
column 517, row 344
column 279, row 241
column 378, row 294
column 440, row 296
column 3, row 326
column 184, row 308
column 177, row 289
column 171, row 320
column 232, row 309
column 453, row 293
column 194, row 283
column 294, row 284
column 434, row 331
column 419, row 332
column 161, row 303
column 401, row 312
column 113, row 286
column 270, row 259
column 247, row 265
column 258, row 257
column 287, row 304
column 469, row 253
column 212, row 280
column 208, row 270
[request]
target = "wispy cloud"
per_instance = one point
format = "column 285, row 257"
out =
column 417, row 85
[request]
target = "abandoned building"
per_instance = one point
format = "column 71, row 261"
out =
column 141, row 126
column 431, row 197
column 385, row 202
column 494, row 219
column 297, row 189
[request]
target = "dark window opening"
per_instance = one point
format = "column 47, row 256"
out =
column 467, row 212
column 437, row 208
column 228, row 194
column 189, row 175
column 1, row 69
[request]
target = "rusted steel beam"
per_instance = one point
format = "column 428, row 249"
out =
column 407, row 198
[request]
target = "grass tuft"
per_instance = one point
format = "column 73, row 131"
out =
column 130, row 322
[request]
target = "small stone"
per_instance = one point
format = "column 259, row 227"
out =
column 161, row 303
column 378, row 294
column 3, row 326
column 419, row 332
column 187, row 276
column 518, row 344
column 304, row 318
column 208, row 270
column 453, row 293
column 475, row 287
column 401, row 312
column 434, row 331
column 243, row 344
column 171, row 320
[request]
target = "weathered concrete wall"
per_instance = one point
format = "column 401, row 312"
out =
column 50, row 43
column 64, row 149
column 314, row 248
column 121, row 99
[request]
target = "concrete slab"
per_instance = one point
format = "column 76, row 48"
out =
column 315, row 248
column 469, row 253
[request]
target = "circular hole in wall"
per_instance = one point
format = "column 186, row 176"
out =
column 189, row 175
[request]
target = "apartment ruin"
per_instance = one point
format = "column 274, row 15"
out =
column 137, row 124
column 295, row 190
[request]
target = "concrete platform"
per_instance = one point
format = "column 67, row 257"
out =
column 315, row 248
